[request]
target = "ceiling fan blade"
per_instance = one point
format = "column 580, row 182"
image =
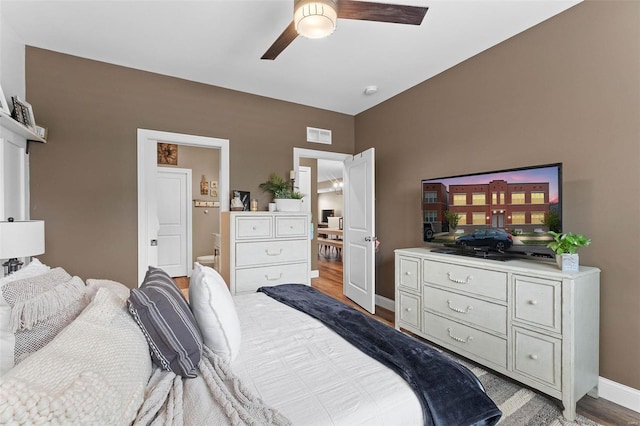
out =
column 381, row 12
column 281, row 43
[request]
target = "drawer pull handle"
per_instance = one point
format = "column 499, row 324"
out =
column 462, row 311
column 533, row 302
column 459, row 339
column 408, row 309
column 533, row 357
column 408, row 273
column 273, row 279
column 253, row 228
column 459, row 281
column 273, row 254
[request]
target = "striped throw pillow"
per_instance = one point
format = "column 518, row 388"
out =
column 166, row 320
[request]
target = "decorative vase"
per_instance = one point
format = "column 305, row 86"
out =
column 288, row 205
column 568, row 262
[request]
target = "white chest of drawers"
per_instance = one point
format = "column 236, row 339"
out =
column 264, row 248
column 527, row 320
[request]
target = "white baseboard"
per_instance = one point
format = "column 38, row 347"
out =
column 383, row 302
column 620, row 394
column 315, row 274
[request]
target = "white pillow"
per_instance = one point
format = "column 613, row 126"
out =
column 33, row 269
column 213, row 308
column 7, row 337
column 93, row 285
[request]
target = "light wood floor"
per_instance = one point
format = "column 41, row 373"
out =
column 599, row 410
column 330, row 282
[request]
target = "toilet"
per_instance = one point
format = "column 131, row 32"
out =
column 212, row 260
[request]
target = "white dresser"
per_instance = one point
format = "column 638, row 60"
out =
column 525, row 319
column 264, row 248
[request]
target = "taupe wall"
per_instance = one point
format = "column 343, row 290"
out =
column 83, row 181
column 205, row 220
column 567, row 90
column 330, row 200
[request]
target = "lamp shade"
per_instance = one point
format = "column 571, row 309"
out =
column 315, row 18
column 21, row 239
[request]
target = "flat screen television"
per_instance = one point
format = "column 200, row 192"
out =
column 505, row 213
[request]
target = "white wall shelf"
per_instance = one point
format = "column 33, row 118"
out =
column 10, row 124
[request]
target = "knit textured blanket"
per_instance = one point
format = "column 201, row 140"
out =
column 449, row 393
column 216, row 396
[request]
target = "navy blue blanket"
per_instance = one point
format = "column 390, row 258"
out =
column 449, row 393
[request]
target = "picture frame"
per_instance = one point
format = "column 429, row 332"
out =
column 167, row 153
column 214, row 184
column 23, row 113
column 245, row 197
column 213, row 192
column 4, row 105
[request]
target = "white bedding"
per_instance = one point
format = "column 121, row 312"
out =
column 312, row 375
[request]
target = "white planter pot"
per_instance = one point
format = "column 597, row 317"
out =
column 288, row 205
column 568, row 262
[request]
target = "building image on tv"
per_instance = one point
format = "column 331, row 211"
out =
column 515, row 200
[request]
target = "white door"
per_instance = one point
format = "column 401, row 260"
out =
column 359, row 229
column 173, row 188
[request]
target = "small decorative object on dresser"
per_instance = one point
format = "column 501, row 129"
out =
column 240, row 200
column 523, row 319
column 264, row 249
column 287, row 199
column 566, row 246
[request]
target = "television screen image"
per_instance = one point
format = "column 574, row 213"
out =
column 504, row 211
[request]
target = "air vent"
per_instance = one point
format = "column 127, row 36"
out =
column 318, row 135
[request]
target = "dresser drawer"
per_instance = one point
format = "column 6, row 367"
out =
column 249, row 280
column 410, row 309
column 468, row 339
column 483, row 314
column 537, row 302
column 491, row 284
column 537, row 356
column 408, row 275
column 251, row 227
column 270, row 252
column 287, row 227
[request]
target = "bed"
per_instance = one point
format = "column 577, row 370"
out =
column 285, row 355
column 321, row 362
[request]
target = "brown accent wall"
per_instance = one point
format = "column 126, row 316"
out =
column 84, row 182
column 567, row 90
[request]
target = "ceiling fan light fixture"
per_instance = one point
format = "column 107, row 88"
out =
column 315, row 18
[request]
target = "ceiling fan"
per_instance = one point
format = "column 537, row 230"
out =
column 317, row 18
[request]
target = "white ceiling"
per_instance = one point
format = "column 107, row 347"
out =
column 220, row 43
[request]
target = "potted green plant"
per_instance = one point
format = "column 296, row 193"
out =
column 287, row 199
column 566, row 245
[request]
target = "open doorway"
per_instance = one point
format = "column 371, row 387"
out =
column 330, row 220
column 212, row 178
column 312, row 159
column 358, row 238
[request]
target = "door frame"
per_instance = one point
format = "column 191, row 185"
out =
column 189, row 211
column 147, row 165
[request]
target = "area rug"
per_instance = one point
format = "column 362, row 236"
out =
column 521, row 406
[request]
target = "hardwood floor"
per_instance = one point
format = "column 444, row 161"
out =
column 599, row 410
